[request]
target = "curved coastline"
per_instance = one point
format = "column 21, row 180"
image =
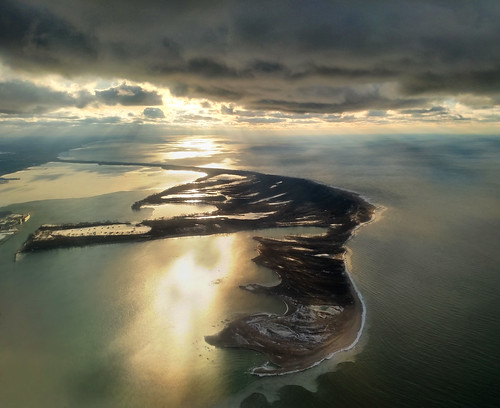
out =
column 325, row 313
column 337, row 351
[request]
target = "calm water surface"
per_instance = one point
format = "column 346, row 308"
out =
column 123, row 325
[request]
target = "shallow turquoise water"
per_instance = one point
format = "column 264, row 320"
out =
column 89, row 326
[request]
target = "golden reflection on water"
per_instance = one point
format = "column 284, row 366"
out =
column 184, row 295
column 198, row 148
column 182, row 290
column 64, row 180
column 187, row 290
column 193, row 148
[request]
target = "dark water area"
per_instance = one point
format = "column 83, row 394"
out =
column 428, row 270
column 94, row 327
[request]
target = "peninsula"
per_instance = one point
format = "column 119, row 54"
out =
column 324, row 311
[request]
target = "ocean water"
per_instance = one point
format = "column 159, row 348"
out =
column 123, row 325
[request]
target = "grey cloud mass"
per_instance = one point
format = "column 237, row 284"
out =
column 128, row 95
column 313, row 56
column 153, row 113
column 24, row 97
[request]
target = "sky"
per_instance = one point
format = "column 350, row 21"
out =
column 316, row 65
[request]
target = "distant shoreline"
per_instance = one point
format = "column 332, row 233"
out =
column 325, row 312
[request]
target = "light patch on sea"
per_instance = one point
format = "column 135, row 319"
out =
column 68, row 180
column 168, row 210
column 202, row 151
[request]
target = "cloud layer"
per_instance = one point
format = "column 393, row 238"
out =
column 25, row 97
column 291, row 56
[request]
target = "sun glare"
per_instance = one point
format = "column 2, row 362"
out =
column 192, row 148
column 181, row 307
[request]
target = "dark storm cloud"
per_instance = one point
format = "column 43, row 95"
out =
column 349, row 101
column 485, row 81
column 433, row 111
column 266, row 55
column 267, row 67
column 34, row 36
column 344, row 74
column 199, row 67
column 128, row 95
column 303, row 107
column 214, row 92
column 26, row 98
column 23, row 97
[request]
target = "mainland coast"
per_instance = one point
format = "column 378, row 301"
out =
column 324, row 310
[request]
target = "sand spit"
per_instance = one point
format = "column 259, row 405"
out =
column 324, row 311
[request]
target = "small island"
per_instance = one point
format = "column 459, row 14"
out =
column 9, row 224
column 324, row 310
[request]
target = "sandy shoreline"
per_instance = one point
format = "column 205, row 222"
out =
column 323, row 336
